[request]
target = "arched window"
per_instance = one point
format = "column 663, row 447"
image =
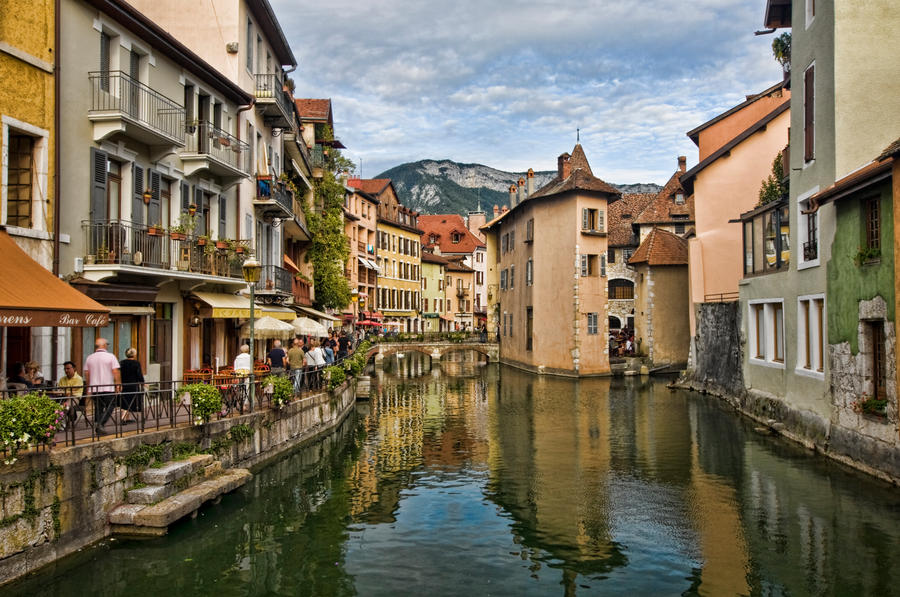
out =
column 621, row 289
column 614, row 323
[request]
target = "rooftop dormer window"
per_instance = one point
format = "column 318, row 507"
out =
column 679, row 198
column 455, row 237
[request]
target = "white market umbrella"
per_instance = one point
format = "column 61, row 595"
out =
column 309, row 327
column 268, row 327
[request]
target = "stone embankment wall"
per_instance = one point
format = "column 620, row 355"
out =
column 55, row 502
column 716, row 367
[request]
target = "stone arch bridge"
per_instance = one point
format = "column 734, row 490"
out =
column 435, row 350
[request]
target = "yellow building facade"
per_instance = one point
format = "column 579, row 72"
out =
column 27, row 114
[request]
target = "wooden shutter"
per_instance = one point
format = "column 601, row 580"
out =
column 99, row 207
column 603, row 265
column 809, row 113
column 153, row 209
column 137, row 197
column 584, row 265
column 601, row 224
column 202, row 225
column 223, row 219
column 185, row 196
column 104, row 61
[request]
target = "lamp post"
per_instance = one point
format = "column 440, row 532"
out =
column 251, row 269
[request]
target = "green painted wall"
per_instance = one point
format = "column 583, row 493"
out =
column 849, row 283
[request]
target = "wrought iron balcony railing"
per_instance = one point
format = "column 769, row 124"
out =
column 810, row 250
column 202, row 137
column 117, row 92
column 274, row 279
column 270, row 90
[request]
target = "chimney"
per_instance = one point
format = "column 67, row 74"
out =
column 496, row 211
column 529, row 189
column 504, row 209
column 521, row 196
column 563, row 167
column 476, row 221
column 513, row 189
column 682, row 163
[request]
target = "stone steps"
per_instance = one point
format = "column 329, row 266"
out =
column 173, row 491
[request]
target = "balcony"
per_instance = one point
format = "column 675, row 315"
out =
column 317, row 160
column 296, row 228
column 273, row 199
column 361, row 246
column 462, row 292
column 120, row 104
column 275, row 284
column 302, row 292
column 209, row 148
column 272, row 102
column 112, row 246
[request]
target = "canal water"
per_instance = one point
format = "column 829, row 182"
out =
column 460, row 478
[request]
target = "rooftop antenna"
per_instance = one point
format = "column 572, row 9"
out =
column 577, row 135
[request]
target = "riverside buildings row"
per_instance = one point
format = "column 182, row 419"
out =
column 149, row 148
column 768, row 268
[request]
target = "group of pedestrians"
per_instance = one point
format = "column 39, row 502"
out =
column 307, row 357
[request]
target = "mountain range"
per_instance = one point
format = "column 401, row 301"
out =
column 445, row 186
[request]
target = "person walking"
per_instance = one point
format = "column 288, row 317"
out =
column 102, row 380
column 343, row 346
column 328, row 352
column 132, row 397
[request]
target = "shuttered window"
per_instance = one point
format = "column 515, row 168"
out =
column 137, row 198
column 809, row 113
column 104, row 61
column 223, row 219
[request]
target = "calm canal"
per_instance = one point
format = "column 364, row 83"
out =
column 464, row 479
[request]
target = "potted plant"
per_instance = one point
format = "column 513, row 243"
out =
column 205, row 401
column 224, row 141
column 224, row 243
column 155, row 230
column 202, row 240
column 186, row 224
column 871, row 406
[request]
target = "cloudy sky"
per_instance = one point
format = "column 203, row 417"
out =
column 506, row 84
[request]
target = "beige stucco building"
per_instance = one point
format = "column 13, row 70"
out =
column 361, row 269
column 547, row 273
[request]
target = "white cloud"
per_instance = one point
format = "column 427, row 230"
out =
column 506, row 84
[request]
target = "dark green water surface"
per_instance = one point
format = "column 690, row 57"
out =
column 464, row 479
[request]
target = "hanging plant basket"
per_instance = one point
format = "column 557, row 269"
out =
column 239, row 250
column 155, row 231
column 177, row 235
column 221, row 244
column 202, row 241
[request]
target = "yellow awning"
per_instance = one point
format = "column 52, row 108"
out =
column 388, row 313
column 227, row 306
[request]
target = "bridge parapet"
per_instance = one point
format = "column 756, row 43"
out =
column 435, row 350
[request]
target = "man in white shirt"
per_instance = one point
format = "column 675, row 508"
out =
column 243, row 362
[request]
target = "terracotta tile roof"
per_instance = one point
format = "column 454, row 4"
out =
column 314, row 109
column 454, row 265
column 663, row 207
column 581, row 178
column 661, row 248
column 892, row 150
column 866, row 176
column 622, row 214
column 372, row 186
column 428, row 257
column 443, row 226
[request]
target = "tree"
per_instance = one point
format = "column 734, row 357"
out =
column 772, row 188
column 781, row 48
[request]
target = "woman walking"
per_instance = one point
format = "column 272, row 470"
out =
column 132, row 398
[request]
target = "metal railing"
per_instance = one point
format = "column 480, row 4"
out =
column 270, row 85
column 115, row 91
column 203, row 137
column 317, row 156
column 460, row 337
column 120, row 242
column 268, row 190
column 274, row 279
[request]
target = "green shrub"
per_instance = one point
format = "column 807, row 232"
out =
column 282, row 389
column 206, row 400
column 29, row 419
column 335, row 376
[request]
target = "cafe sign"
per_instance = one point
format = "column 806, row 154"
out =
column 46, row 318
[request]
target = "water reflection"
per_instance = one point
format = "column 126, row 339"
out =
column 491, row 480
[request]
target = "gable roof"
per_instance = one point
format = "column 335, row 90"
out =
column 443, row 226
column 621, row 233
column 661, row 248
column 663, row 207
column 314, row 109
column 687, row 179
column 372, row 186
column 694, row 134
column 580, row 178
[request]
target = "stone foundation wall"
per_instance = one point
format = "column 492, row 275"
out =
column 716, row 365
column 55, row 502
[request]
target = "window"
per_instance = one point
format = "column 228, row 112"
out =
column 529, row 231
column 105, row 43
column 621, row 289
column 611, row 256
column 679, row 228
column 504, row 243
column 748, row 247
column 766, row 327
column 810, row 334
column 529, row 272
column 454, row 238
column 878, row 368
column 626, row 254
column 479, row 278
column 873, row 223
column 529, row 328
column 20, row 180
column 769, row 240
column 512, row 277
column 679, row 198
column 504, row 323
column 811, row 244
column 503, row 275
column 512, row 239
column 249, row 45
column 809, row 114
column 603, row 265
column 592, row 220
column 810, row 11
column 592, row 326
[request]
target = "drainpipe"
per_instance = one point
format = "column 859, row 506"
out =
column 237, row 201
column 54, row 338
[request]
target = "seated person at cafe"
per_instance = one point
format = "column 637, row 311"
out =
column 243, row 362
column 18, row 376
column 32, row 372
column 73, row 382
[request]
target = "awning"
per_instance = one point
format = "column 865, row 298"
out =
column 236, row 306
column 368, row 264
column 290, row 265
column 314, row 313
column 130, row 310
column 448, row 318
column 31, row 296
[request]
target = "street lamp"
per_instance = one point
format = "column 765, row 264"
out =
column 251, row 269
